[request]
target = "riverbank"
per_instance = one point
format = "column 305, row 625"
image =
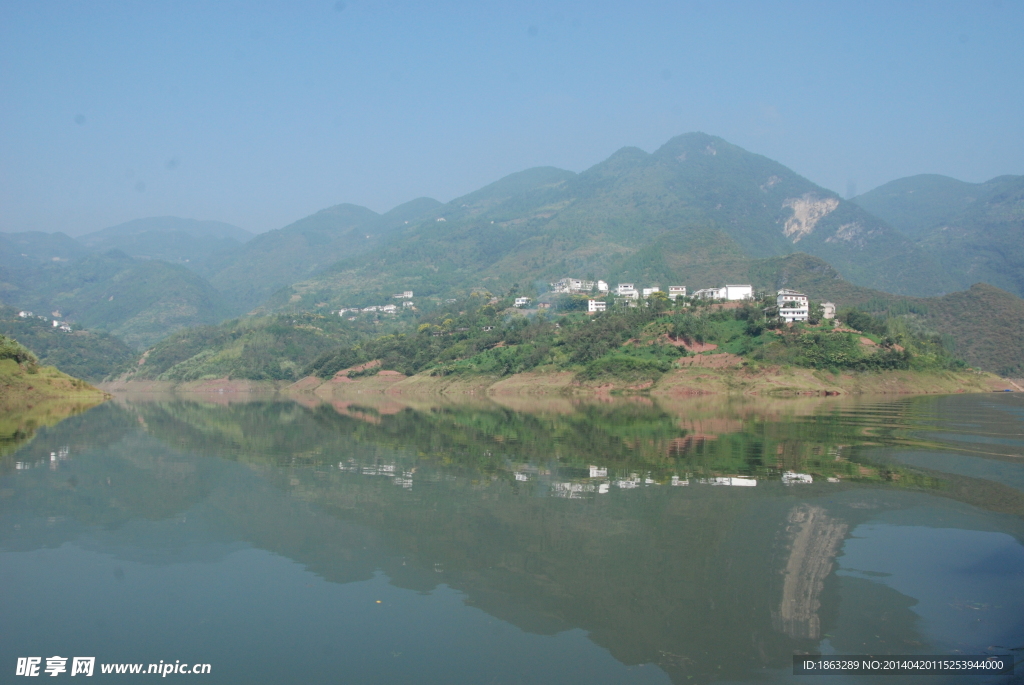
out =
column 683, row 382
column 21, row 389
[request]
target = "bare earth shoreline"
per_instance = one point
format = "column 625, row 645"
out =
column 686, row 382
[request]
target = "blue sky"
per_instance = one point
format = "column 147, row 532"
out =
column 260, row 113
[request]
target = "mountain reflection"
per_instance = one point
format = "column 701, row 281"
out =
column 606, row 517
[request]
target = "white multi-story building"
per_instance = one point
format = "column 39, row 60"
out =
column 596, row 306
column 792, row 305
column 627, row 290
column 649, row 291
column 602, row 287
column 675, row 291
column 828, row 310
column 522, row 301
column 407, row 295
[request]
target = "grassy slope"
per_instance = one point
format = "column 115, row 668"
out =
column 21, row 389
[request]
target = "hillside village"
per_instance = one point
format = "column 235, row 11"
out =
column 57, row 323
column 792, row 305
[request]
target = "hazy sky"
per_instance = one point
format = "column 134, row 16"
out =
column 259, row 113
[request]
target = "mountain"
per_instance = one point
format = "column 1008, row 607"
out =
column 275, row 259
column 631, row 215
column 139, row 301
column 90, row 355
column 975, row 231
column 20, row 251
column 169, row 238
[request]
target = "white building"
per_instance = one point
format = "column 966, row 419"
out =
column 729, row 292
column 408, row 304
column 735, row 482
column 389, row 308
column 710, row 294
column 407, row 295
column 522, row 301
column 675, row 291
column 602, row 287
column 649, row 291
column 596, row 306
column 627, row 290
column 567, row 285
column 739, row 292
column 792, row 305
column 576, row 285
column 828, row 310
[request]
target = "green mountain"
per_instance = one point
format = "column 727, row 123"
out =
column 275, row 259
column 975, row 231
column 634, row 215
column 168, row 238
column 20, row 251
column 82, row 353
column 139, row 301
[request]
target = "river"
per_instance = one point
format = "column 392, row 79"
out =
column 536, row 541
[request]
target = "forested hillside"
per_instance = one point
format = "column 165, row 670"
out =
column 275, row 259
column 178, row 241
column 696, row 199
column 140, row 301
column 698, row 212
column 975, row 231
column 90, row 355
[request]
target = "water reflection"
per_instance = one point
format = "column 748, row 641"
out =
column 710, row 539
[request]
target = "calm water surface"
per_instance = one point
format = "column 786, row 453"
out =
column 544, row 542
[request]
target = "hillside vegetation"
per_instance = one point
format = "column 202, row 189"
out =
column 275, row 259
column 974, row 230
column 635, row 214
column 178, row 241
column 275, row 347
column 24, row 383
column 85, row 354
column 637, row 344
column 698, row 211
column 139, row 301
